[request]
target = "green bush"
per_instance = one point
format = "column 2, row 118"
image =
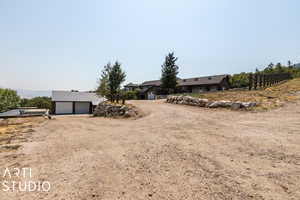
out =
column 39, row 102
column 239, row 80
column 8, row 99
column 130, row 95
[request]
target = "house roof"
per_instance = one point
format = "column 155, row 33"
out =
column 131, row 85
column 59, row 95
column 151, row 83
column 205, row 80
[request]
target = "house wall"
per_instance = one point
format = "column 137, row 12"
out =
column 198, row 89
column 130, row 88
column 151, row 95
column 213, row 88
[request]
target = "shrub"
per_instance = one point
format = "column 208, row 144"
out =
column 129, row 95
column 8, row 99
column 39, row 102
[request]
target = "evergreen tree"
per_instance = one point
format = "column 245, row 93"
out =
column 116, row 77
column 278, row 68
column 103, row 89
column 169, row 73
column 290, row 64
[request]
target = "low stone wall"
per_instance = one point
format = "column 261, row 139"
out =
column 193, row 101
column 106, row 109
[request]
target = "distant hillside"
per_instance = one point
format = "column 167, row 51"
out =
column 297, row 65
column 33, row 93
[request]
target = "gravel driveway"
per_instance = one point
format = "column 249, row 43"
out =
column 173, row 152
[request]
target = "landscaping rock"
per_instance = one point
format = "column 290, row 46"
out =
column 236, row 105
column 187, row 100
column 193, row 101
column 248, row 104
column 106, row 109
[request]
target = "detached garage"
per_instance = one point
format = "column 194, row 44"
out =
column 70, row 102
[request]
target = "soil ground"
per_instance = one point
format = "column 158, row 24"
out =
column 173, row 152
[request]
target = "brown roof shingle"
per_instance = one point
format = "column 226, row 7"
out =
column 205, row 80
column 151, row 83
column 131, row 85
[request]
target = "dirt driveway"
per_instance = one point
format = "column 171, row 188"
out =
column 174, row 152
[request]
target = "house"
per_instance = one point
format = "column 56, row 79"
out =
column 131, row 87
column 204, row 84
column 150, row 89
column 74, row 102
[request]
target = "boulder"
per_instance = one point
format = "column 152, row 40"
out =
column 236, row 105
column 248, row 104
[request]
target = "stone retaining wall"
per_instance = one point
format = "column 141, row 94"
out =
column 193, row 101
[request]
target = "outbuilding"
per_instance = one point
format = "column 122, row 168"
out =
column 74, row 102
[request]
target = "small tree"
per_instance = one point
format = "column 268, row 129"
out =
column 279, row 68
column 103, row 88
column 169, row 73
column 39, row 102
column 116, row 77
column 8, row 99
column 290, row 64
column 269, row 68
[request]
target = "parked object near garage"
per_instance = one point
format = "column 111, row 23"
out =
column 25, row 112
column 73, row 102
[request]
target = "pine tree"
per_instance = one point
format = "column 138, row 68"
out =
column 169, row 73
column 103, row 88
column 290, row 64
column 278, row 68
column 115, row 79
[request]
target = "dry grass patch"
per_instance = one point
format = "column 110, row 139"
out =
column 267, row 98
column 10, row 128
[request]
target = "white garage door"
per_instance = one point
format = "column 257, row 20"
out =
column 82, row 107
column 64, row 108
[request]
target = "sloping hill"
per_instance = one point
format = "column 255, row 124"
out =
column 297, row 65
column 267, row 98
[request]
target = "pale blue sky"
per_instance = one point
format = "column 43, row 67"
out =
column 63, row 44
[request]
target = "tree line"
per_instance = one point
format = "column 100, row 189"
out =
column 9, row 99
column 241, row 80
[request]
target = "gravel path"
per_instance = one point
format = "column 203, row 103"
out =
column 174, row 152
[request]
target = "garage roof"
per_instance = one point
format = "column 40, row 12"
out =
column 59, row 95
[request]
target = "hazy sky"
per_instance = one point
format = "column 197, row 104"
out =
column 63, row 44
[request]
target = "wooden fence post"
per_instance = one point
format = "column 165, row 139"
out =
column 250, row 81
column 260, row 80
column 264, row 80
column 255, row 81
